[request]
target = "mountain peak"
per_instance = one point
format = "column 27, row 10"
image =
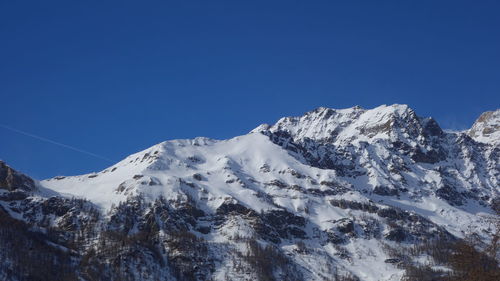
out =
column 486, row 129
column 327, row 124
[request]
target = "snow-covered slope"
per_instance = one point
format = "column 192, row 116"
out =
column 327, row 190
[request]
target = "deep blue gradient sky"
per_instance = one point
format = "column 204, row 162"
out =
column 115, row 77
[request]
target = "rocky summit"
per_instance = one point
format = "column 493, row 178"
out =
column 335, row 194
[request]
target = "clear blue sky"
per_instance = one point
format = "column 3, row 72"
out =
column 115, row 77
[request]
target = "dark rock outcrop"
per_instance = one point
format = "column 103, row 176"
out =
column 12, row 180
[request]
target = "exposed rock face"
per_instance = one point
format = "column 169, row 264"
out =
column 314, row 197
column 12, row 180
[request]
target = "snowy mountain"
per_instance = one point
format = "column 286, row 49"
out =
column 330, row 195
column 487, row 128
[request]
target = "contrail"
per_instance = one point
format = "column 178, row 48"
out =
column 56, row 143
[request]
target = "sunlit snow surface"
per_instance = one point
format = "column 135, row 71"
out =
column 241, row 169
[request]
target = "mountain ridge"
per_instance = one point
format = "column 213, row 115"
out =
column 324, row 193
